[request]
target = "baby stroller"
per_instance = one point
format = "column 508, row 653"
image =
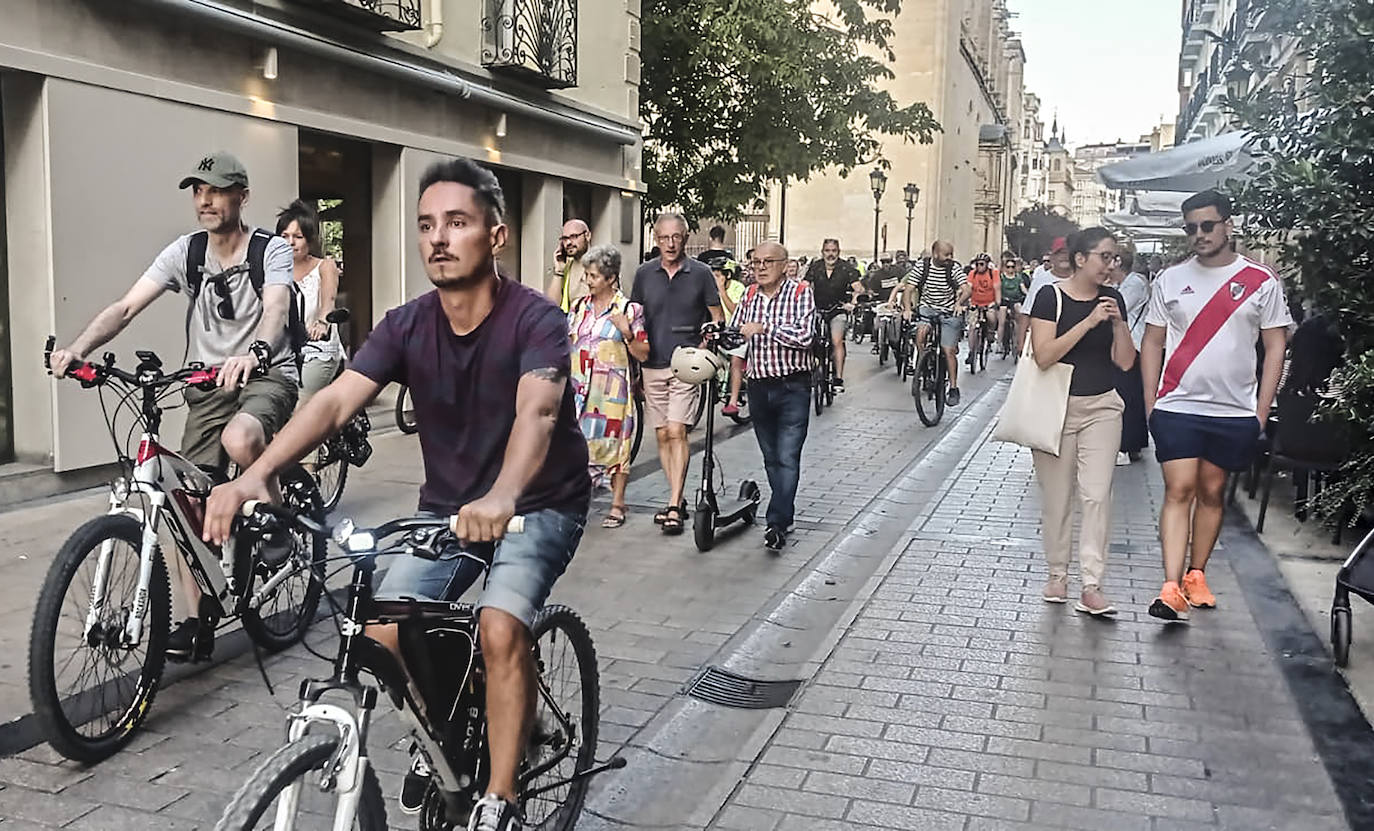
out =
column 1357, row 576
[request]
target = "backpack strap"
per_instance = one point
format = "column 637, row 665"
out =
column 257, row 259
column 196, row 247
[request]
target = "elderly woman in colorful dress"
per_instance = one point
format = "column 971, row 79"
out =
column 607, row 333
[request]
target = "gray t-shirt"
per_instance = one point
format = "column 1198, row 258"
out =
column 211, row 338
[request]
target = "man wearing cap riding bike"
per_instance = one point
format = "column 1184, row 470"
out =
column 239, row 324
column 985, row 296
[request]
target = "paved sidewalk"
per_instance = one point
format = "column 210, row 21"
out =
column 959, row 700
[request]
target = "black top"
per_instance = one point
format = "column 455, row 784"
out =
column 715, row 254
column 464, row 387
column 1091, row 358
column 677, row 303
column 831, row 290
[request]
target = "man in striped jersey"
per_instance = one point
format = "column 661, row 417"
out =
column 943, row 289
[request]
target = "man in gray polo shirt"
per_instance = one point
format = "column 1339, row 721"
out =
column 229, row 325
column 678, row 295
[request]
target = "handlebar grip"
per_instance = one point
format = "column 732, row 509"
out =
column 515, row 526
column 48, row 348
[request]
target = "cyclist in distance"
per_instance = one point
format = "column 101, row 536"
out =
column 238, row 323
column 832, row 280
column 985, row 295
column 487, row 361
column 940, row 285
column 1014, row 283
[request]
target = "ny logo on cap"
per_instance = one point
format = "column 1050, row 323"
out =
column 207, row 164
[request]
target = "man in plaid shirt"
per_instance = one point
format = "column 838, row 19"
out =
column 777, row 316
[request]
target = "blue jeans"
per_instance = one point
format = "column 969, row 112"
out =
column 781, row 411
column 522, row 572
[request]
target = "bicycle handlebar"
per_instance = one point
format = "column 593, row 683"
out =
column 148, row 373
column 253, row 508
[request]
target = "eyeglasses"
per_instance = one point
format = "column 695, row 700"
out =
column 767, row 262
column 671, row 237
column 1206, row 226
column 571, row 237
column 1107, row 256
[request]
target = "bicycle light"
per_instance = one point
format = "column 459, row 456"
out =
column 120, row 488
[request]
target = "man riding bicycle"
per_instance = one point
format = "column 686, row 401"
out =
column 942, row 288
column 985, row 296
column 239, row 325
column 487, row 362
column 832, row 280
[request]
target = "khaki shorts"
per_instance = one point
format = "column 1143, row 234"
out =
column 666, row 399
column 270, row 399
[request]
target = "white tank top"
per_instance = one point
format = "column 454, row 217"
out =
column 318, row 350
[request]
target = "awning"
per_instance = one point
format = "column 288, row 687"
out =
column 1191, row 167
column 1144, row 227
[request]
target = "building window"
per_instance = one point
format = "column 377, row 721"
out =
column 534, row 39
column 1058, row 166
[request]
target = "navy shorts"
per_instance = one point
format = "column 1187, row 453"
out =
column 1229, row 442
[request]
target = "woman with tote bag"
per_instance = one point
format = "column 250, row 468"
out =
column 1082, row 323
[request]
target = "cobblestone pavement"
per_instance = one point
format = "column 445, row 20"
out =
column 658, row 610
column 939, row 692
column 959, row 700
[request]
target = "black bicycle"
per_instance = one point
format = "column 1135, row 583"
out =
column 930, row 381
column 322, row 776
column 985, row 332
column 823, row 368
column 905, row 349
column 349, row 446
column 1005, row 346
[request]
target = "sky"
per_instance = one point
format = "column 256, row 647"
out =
column 1109, row 67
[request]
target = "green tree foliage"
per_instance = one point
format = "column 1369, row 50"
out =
column 736, row 94
column 1034, row 229
column 1313, row 201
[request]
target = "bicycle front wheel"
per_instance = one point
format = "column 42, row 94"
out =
column 331, row 473
column 288, row 609
column 563, row 741
column 91, row 688
column 819, row 378
column 288, row 784
column 930, row 403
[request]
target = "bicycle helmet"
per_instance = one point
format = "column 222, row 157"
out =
column 695, row 366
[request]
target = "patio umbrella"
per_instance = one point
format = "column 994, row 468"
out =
column 1190, row 167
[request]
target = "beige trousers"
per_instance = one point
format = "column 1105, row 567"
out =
column 1086, row 462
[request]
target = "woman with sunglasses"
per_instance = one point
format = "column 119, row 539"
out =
column 1081, row 322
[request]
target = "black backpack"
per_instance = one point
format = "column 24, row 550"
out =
column 949, row 276
column 296, row 335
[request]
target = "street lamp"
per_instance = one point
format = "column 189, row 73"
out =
column 913, row 194
column 878, row 181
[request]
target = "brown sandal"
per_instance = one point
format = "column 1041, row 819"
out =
column 673, row 522
column 615, row 517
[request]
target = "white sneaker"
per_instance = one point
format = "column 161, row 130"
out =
column 492, row 813
column 1123, row 459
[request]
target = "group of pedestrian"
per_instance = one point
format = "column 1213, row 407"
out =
column 1177, row 356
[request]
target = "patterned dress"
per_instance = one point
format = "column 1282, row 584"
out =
column 601, row 380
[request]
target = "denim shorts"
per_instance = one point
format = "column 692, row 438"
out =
column 1229, row 442
column 523, row 570
column 951, row 325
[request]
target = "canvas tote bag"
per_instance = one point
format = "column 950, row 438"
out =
column 1033, row 414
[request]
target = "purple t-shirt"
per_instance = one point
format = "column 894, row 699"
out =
column 463, row 388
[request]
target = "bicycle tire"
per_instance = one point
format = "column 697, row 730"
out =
column 287, row 764
column 405, row 412
column 703, row 394
column 331, row 474
column 929, row 404
column 59, row 727
column 818, row 381
column 564, row 816
column 637, row 403
column 278, row 630
column 883, row 346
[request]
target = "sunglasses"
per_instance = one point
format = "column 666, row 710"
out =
column 220, row 283
column 1206, row 226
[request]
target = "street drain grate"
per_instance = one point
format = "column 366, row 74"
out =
column 721, row 686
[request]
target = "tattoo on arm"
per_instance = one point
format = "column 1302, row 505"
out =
column 549, row 373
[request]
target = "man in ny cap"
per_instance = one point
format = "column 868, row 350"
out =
column 239, row 297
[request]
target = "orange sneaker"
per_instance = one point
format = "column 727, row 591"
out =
column 1196, row 591
column 1171, row 605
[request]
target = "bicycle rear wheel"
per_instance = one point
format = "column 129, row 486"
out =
column 290, row 779
column 637, row 404
column 88, row 689
column 563, row 740
column 331, row 473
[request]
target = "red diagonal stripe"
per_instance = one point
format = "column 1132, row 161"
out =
column 1207, row 323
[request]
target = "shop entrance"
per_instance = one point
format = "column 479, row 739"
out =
column 336, row 175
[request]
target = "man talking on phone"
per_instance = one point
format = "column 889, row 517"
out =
column 566, row 283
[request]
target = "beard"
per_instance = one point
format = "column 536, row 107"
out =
column 447, row 274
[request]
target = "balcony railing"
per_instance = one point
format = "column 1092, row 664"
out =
column 378, row 15
column 534, row 39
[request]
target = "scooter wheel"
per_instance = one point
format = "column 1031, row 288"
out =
column 749, row 492
column 1340, row 635
column 704, row 528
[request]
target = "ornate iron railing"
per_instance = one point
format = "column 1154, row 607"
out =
column 536, row 39
column 379, row 15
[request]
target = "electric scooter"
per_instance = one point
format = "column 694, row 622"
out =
column 713, row 513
